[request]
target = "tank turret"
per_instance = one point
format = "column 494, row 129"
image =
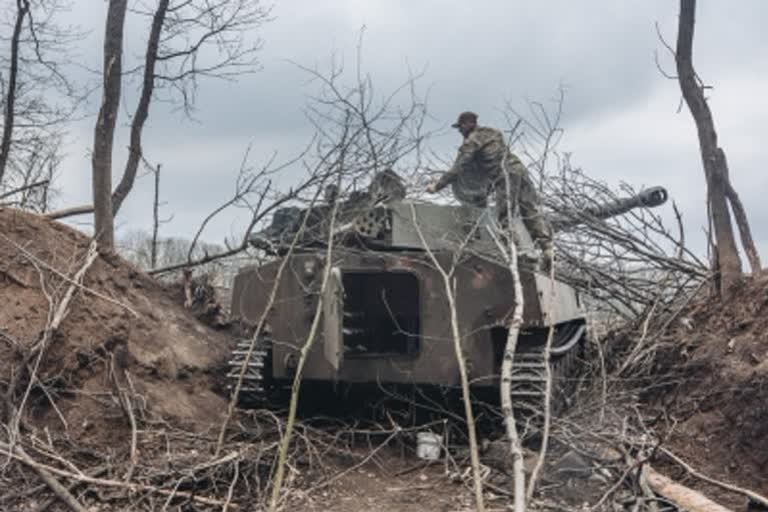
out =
column 380, row 223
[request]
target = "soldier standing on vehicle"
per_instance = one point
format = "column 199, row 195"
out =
column 480, row 168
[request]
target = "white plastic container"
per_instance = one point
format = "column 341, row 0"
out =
column 428, row 445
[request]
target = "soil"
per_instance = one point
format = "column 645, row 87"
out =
column 380, row 488
column 720, row 405
column 125, row 329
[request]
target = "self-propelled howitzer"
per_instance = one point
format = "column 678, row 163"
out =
column 384, row 309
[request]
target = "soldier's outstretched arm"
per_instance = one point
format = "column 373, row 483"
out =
column 466, row 152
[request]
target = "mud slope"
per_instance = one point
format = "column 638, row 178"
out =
column 126, row 331
column 722, row 402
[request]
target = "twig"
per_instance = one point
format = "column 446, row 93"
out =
column 69, row 212
column 499, row 490
column 24, row 188
column 49, row 479
column 547, row 390
column 58, row 314
column 13, row 278
column 682, row 306
column 95, row 472
column 295, row 389
column 155, row 219
column 646, row 488
column 70, row 280
column 132, row 486
column 231, row 489
column 172, row 494
column 368, row 457
column 757, row 498
column 125, row 401
column 415, row 467
column 421, row 487
column 607, row 494
column 196, row 263
column 259, row 329
column 63, row 307
column 223, row 460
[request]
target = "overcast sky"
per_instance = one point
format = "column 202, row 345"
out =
column 620, row 114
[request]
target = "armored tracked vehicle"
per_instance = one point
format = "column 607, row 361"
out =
column 385, row 313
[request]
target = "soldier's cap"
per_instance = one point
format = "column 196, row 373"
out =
column 465, row 116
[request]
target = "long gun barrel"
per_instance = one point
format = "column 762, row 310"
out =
column 649, row 198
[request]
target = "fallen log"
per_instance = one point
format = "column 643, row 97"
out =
column 753, row 496
column 687, row 498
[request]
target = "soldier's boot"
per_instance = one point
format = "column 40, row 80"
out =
column 546, row 257
column 529, row 257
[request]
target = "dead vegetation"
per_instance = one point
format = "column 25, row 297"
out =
column 111, row 389
column 113, row 395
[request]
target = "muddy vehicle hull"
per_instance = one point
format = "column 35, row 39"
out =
column 386, row 317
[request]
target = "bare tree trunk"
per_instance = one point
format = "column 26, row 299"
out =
column 450, row 292
column 465, row 393
column 507, row 411
column 105, row 125
column 155, row 219
column 741, row 220
column 22, row 9
column 744, row 230
column 285, row 441
column 716, row 175
column 685, row 497
column 261, row 324
column 142, row 109
column 509, row 254
column 548, row 390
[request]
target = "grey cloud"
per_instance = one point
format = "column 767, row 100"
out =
column 619, row 113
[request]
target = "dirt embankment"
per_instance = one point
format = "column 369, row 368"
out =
column 721, row 403
column 123, row 330
column 126, row 330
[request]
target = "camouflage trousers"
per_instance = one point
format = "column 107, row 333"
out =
column 525, row 200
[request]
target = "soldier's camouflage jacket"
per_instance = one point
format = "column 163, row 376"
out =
column 478, row 165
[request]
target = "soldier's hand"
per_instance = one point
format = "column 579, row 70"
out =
column 431, row 188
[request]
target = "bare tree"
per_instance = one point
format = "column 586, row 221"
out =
column 720, row 192
column 254, row 192
column 22, row 9
column 38, row 99
column 188, row 40
column 142, row 109
column 104, row 131
column 358, row 135
column 617, row 261
column 381, row 132
column 182, row 37
column 510, row 255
